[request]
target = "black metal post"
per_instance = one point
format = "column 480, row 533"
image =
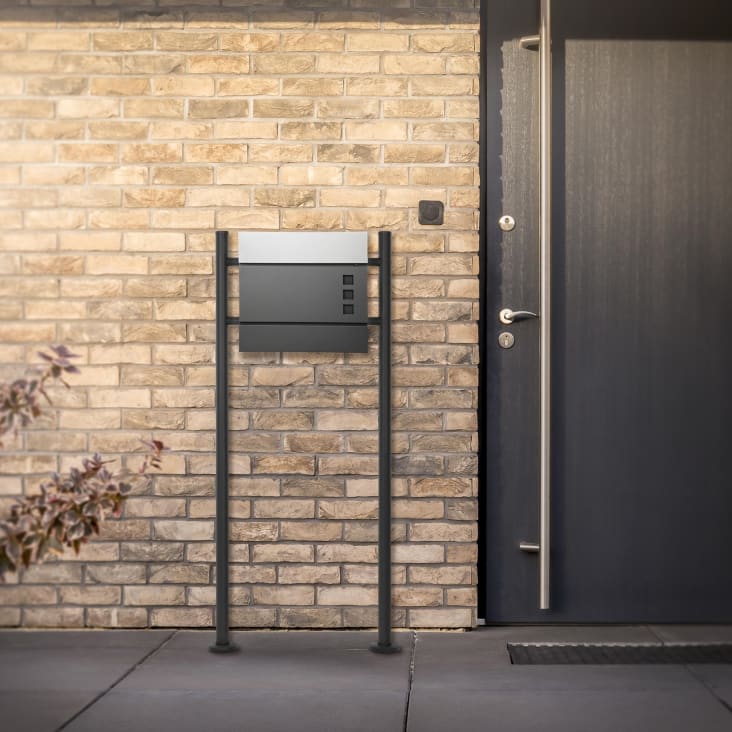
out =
column 384, row 644
column 222, row 644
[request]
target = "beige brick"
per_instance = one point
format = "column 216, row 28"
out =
column 94, row 595
column 277, row 464
column 349, row 419
column 441, row 86
column 114, row 354
column 347, row 596
column 144, row 108
column 10, row 41
column 453, row 575
column 52, row 573
column 27, row 62
column 194, row 398
column 221, row 152
column 119, row 86
column 283, row 198
column 48, row 130
column 279, row 108
column 58, row 41
column 314, row 442
column 123, row 41
column 187, row 530
column 179, row 129
column 90, row 419
column 190, row 617
column 312, row 87
column 154, row 241
column 339, row 153
column 310, row 131
column 321, row 175
column 411, row 153
column 14, row 152
column 157, row 595
column 417, row 596
column 217, row 64
column 185, row 41
column 176, row 310
column 116, row 617
column 441, row 618
column 254, row 531
column 217, row 108
column 284, row 508
column 287, row 595
column 249, row 42
column 246, row 86
column 291, row 63
column 183, row 86
column 68, row 617
column 24, row 241
column 182, row 219
column 154, row 197
column 169, row 152
column 123, row 264
column 155, row 287
column 120, row 398
column 436, row 531
column 260, row 219
column 182, row 175
column 280, row 153
column 115, row 130
column 281, row 553
column 218, row 197
column 352, row 509
column 245, row 130
column 348, row 465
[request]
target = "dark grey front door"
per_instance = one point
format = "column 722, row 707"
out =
column 641, row 392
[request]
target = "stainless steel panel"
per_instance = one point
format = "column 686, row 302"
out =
column 303, row 247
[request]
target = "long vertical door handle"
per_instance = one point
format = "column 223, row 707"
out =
column 545, row 245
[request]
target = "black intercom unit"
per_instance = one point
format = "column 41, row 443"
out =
column 303, row 291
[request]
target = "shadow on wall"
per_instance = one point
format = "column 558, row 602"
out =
column 148, row 14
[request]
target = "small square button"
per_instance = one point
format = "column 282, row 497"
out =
column 347, row 279
column 348, row 309
column 348, row 294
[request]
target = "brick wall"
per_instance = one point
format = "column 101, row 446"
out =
column 129, row 134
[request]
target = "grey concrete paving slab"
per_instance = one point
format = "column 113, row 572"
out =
column 490, row 643
column 48, row 676
column 278, row 681
column 566, row 711
column 717, row 678
column 466, row 682
column 693, row 633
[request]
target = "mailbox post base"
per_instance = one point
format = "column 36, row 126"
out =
column 223, row 647
column 389, row 648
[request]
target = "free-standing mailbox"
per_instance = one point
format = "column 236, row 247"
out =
column 302, row 291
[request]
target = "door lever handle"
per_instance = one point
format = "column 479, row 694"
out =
column 508, row 316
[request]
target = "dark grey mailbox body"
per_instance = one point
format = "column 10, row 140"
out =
column 303, row 291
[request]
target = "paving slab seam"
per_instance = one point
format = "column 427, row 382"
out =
column 410, row 681
column 106, row 691
column 698, row 678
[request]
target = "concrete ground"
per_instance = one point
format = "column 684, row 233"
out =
column 158, row 680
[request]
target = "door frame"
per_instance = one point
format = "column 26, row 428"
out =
column 494, row 15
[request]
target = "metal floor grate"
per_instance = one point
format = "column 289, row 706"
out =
column 618, row 653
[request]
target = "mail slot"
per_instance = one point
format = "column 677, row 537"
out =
column 303, row 291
